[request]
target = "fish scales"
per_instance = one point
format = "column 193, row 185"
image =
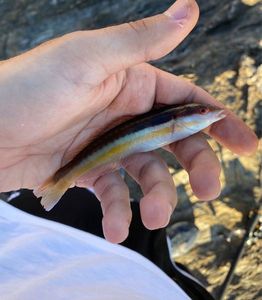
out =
column 142, row 133
column 128, row 128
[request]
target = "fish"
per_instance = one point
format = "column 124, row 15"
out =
column 142, row 133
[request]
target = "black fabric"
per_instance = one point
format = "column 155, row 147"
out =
column 79, row 208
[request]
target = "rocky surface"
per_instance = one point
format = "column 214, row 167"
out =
column 223, row 55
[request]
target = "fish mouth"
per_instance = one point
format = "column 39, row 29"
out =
column 220, row 114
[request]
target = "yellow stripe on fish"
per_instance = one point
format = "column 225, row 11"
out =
column 121, row 147
column 143, row 133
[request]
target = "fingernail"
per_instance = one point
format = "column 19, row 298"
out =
column 179, row 10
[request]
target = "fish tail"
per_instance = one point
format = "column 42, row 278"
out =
column 51, row 192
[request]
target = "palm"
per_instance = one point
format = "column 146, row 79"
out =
column 126, row 93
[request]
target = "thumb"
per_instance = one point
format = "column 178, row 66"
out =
column 119, row 47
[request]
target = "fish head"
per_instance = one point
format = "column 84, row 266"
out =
column 195, row 117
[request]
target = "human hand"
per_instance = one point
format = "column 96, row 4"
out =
column 56, row 96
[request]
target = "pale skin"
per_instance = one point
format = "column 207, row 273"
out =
column 54, row 98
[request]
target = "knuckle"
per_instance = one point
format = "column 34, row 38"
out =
column 115, row 190
column 141, row 32
column 152, row 166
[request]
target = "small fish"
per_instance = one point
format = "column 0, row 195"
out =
column 143, row 133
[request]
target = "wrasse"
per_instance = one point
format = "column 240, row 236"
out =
column 143, row 133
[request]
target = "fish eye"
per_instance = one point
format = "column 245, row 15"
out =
column 203, row 110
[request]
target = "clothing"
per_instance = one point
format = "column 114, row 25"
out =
column 80, row 209
column 41, row 259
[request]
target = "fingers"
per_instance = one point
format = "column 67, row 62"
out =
column 230, row 132
column 156, row 206
column 114, row 196
column 119, row 47
column 202, row 165
column 157, row 185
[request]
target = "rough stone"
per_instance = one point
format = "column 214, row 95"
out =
column 223, row 55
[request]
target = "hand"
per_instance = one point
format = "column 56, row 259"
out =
column 56, row 96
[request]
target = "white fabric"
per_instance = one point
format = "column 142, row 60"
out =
column 40, row 259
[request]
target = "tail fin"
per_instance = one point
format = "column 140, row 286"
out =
column 51, row 192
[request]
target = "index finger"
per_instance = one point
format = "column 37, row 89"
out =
column 230, row 132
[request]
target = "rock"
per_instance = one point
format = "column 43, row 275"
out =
column 223, row 55
column 183, row 237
